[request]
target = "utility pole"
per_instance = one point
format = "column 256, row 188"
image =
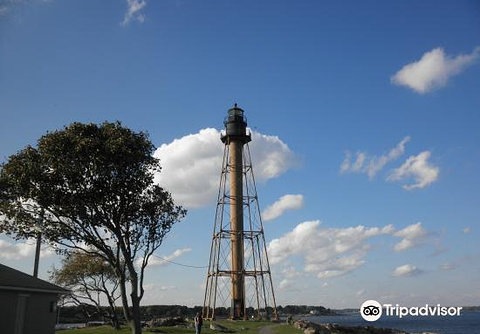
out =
column 39, row 243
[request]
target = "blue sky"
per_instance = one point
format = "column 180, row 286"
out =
column 388, row 90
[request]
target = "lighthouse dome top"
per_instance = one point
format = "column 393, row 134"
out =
column 235, row 112
column 235, row 126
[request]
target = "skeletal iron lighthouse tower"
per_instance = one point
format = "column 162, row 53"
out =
column 238, row 276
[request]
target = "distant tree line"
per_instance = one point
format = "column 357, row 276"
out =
column 304, row 309
column 87, row 313
column 82, row 313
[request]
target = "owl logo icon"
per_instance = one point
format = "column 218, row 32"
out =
column 371, row 310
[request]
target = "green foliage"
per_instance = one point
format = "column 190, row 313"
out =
column 92, row 188
column 76, row 267
column 89, row 179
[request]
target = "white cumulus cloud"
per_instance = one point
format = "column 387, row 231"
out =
column 433, row 70
column 360, row 293
column 271, row 157
column 333, row 252
column 416, row 167
column 176, row 254
column 371, row 165
column 413, row 231
column 411, row 235
column 134, row 11
column 191, row 165
column 406, row 270
column 448, row 266
column 22, row 250
column 156, row 291
column 327, row 252
column 287, row 202
column 165, row 259
column 290, row 272
column 285, row 284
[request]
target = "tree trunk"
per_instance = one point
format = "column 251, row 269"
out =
column 115, row 322
column 123, row 291
column 113, row 314
column 135, row 322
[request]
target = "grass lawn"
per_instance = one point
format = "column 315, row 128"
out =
column 286, row 329
column 248, row 327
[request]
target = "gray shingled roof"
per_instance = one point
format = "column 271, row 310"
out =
column 11, row 279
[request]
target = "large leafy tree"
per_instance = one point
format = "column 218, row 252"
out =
column 92, row 186
column 91, row 280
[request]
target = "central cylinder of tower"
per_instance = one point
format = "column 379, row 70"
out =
column 236, row 226
column 236, row 136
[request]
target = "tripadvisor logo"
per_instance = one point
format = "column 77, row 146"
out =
column 371, row 310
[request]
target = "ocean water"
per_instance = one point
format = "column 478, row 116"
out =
column 467, row 323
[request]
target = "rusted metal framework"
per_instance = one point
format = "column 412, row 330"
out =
column 238, row 277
